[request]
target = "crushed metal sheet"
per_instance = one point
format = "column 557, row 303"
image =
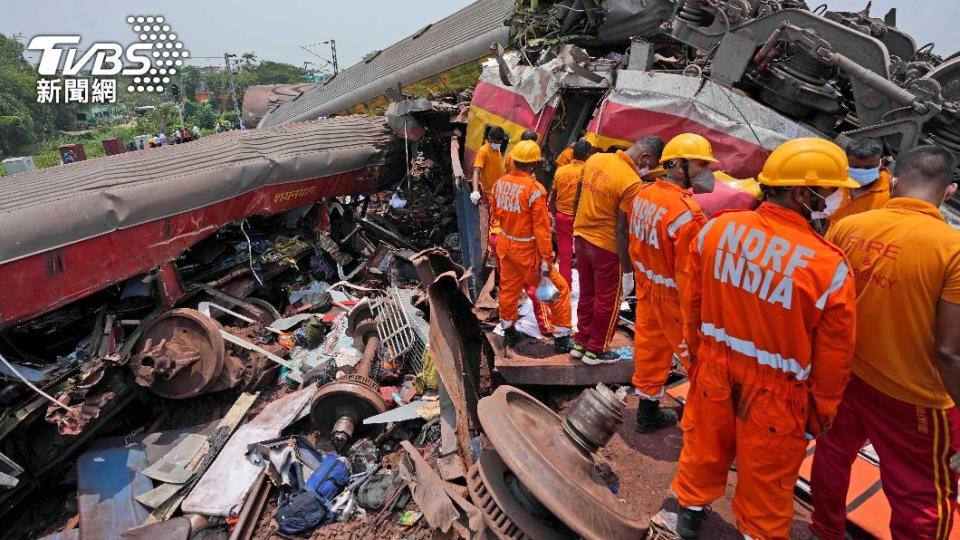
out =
column 442, row 506
column 226, row 484
column 175, row 467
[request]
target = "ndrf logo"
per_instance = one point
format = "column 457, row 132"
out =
column 151, row 62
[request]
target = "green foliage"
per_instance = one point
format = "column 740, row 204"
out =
column 164, row 118
column 199, row 114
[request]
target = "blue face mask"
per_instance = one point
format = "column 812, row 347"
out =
column 865, row 177
column 495, row 146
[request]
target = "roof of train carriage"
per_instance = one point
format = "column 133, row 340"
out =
column 54, row 207
column 453, row 41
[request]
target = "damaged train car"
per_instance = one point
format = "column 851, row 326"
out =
column 105, row 248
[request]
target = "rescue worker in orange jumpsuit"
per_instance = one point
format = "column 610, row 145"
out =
column 527, row 135
column 487, row 168
column 664, row 220
column 525, row 246
column 866, row 168
column 563, row 193
column 776, row 305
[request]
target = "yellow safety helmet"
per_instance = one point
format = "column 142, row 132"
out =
column 807, row 161
column 688, row 146
column 525, row 152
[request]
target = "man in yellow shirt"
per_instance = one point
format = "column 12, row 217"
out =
column 563, row 192
column 600, row 237
column 487, row 169
column 527, row 135
column 906, row 367
column 866, row 168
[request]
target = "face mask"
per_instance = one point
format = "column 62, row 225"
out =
column 703, row 182
column 644, row 171
column 865, row 177
column 817, row 218
column 833, row 202
column 495, row 146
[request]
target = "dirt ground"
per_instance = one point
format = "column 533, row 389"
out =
column 645, row 465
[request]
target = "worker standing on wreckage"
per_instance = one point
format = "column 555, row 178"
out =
column 775, row 305
column 664, row 219
column 906, row 368
column 609, row 184
column 525, row 246
column 563, row 194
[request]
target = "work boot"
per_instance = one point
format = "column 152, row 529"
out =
column 511, row 337
column 563, row 344
column 578, row 350
column 595, row 359
column 688, row 523
column 650, row 417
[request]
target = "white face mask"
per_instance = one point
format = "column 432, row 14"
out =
column 833, row 202
column 644, row 171
column 495, row 146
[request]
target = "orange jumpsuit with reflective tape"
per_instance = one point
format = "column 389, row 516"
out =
column 520, row 204
column 773, row 341
column 663, row 221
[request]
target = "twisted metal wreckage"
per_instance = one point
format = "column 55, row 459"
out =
column 167, row 271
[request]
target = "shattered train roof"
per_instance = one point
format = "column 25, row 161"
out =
column 53, row 207
column 464, row 36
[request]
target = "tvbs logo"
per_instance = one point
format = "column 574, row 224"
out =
column 150, row 61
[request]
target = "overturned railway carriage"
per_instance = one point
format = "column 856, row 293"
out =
column 96, row 253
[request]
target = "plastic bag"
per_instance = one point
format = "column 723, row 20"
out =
column 546, row 290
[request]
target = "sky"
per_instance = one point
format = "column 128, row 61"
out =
column 277, row 29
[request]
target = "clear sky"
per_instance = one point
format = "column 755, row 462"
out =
column 276, row 29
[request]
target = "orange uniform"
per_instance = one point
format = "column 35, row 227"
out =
column 565, row 157
column 664, row 220
column 906, row 242
column 776, row 306
column 565, row 183
column 870, row 198
column 610, row 182
column 519, row 202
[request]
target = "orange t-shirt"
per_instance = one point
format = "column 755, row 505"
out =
column 490, row 163
column 905, row 260
column 565, row 157
column 872, row 197
column 565, row 183
column 609, row 183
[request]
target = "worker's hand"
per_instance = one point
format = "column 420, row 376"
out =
column 544, row 268
column 955, row 463
column 475, row 197
column 458, row 180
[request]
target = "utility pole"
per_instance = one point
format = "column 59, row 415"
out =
column 233, row 88
column 333, row 53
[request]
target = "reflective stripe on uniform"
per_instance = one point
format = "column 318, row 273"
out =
column 748, row 348
column 703, row 233
column 839, row 276
column 656, row 278
column 533, row 197
column 679, row 222
column 518, row 238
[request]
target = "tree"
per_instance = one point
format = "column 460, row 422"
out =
column 199, row 114
column 189, row 82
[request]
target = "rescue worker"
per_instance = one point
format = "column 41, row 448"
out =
column 664, row 220
column 508, row 160
column 487, row 169
column 866, row 169
column 905, row 385
column 525, row 246
column 610, row 181
column 691, row 156
column 563, row 192
column 774, row 304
